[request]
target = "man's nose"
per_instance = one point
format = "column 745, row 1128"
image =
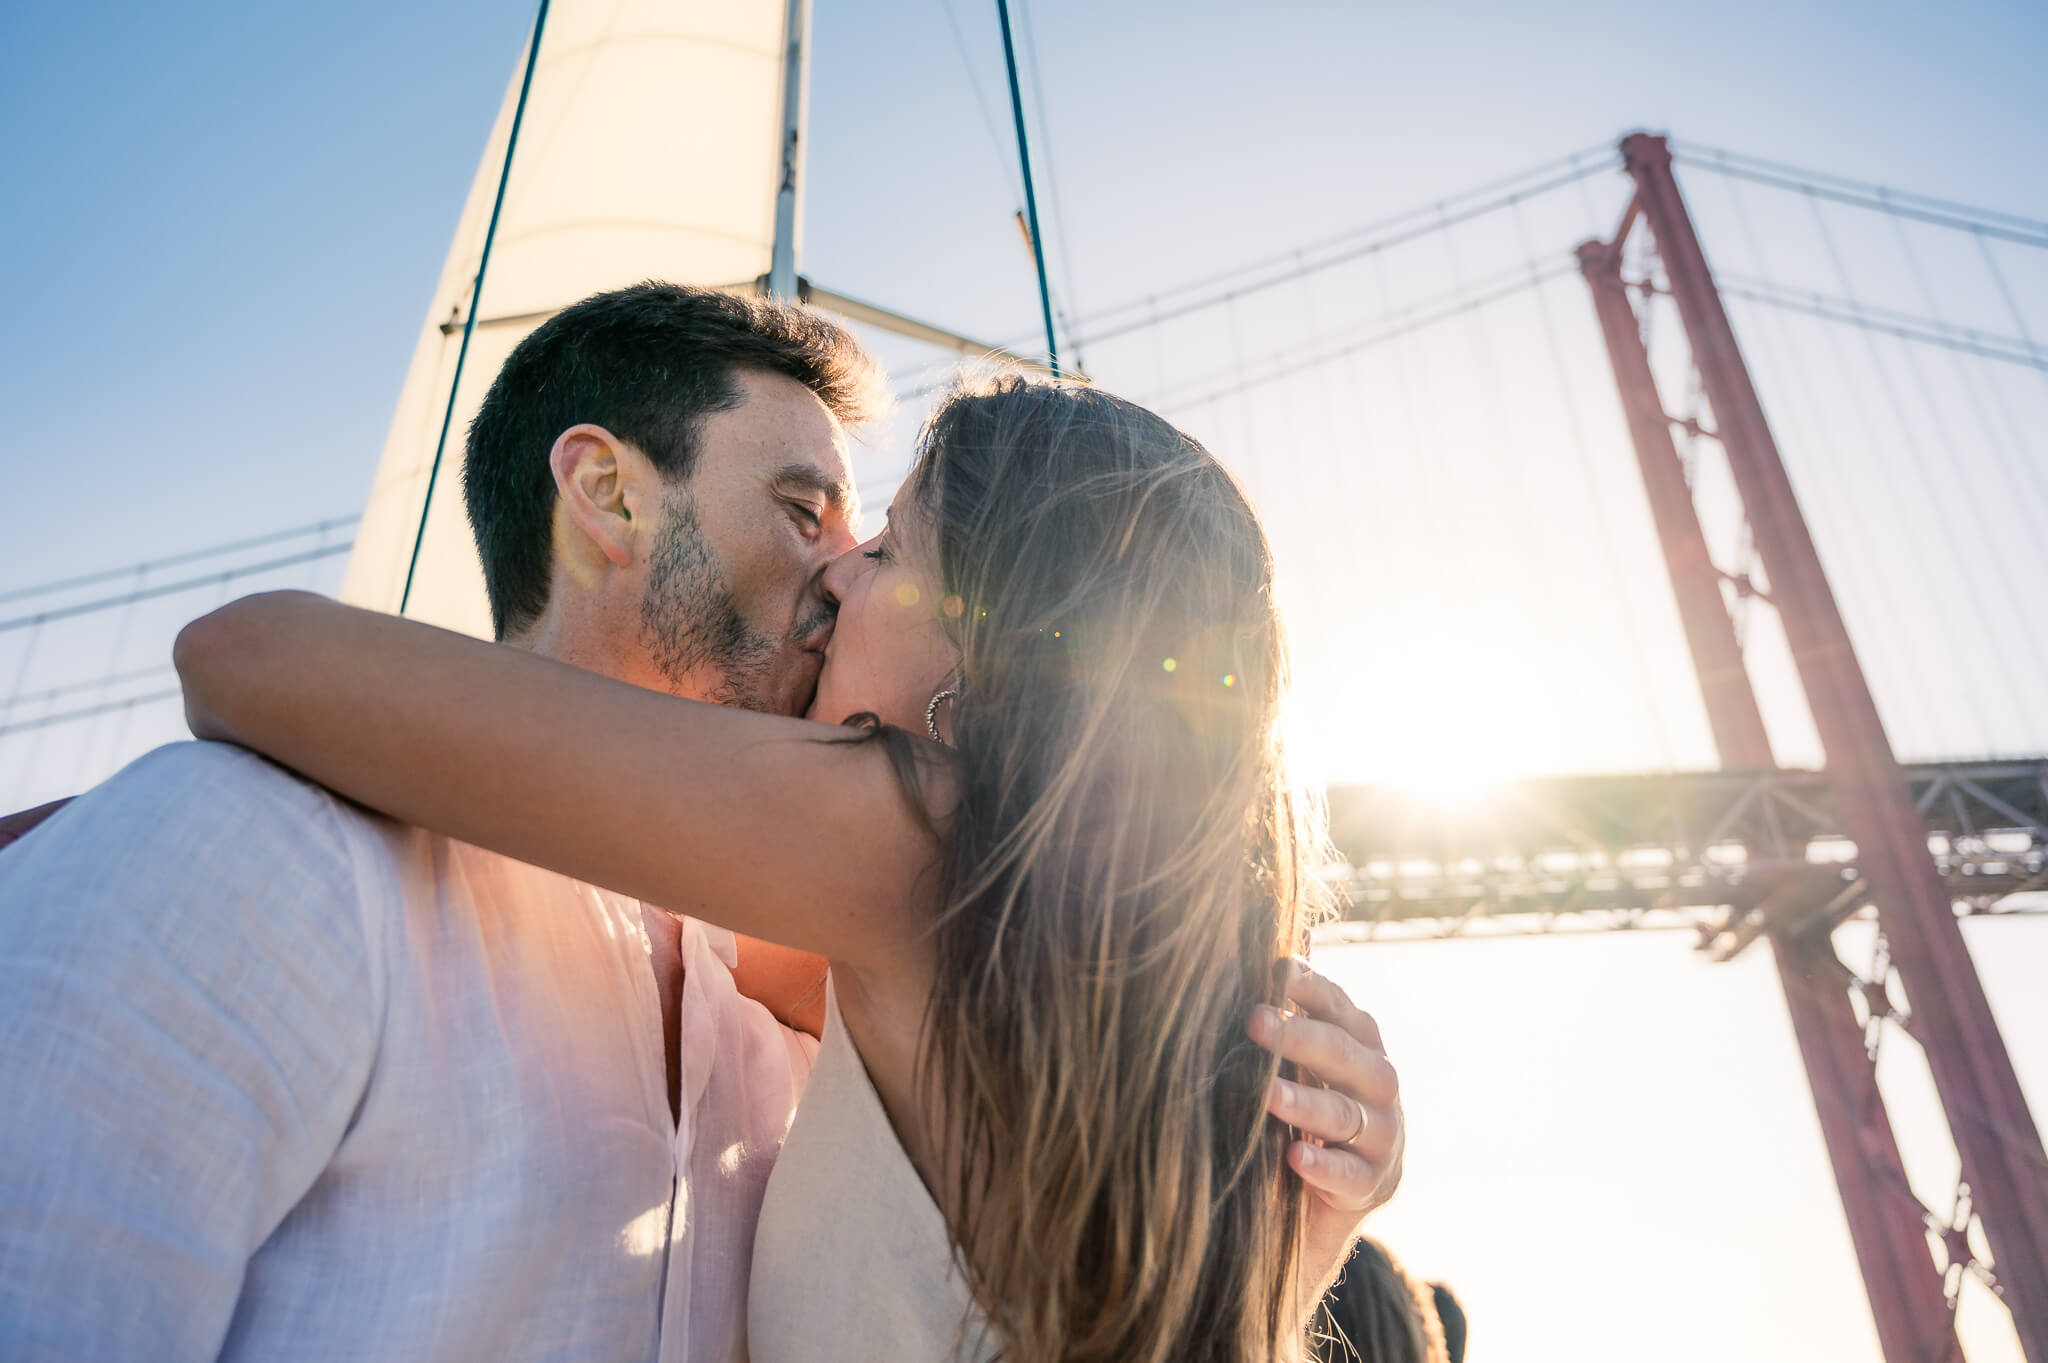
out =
column 835, row 542
column 838, row 575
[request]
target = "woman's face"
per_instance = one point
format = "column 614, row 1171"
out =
column 889, row 652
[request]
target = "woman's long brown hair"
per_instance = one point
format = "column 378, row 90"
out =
column 1127, row 863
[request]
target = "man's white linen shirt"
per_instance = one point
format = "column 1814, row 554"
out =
column 283, row 1080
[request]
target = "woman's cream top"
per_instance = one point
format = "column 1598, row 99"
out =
column 852, row 1260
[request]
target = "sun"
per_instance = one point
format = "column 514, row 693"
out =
column 1454, row 724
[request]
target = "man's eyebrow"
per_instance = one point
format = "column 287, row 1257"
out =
column 811, row 478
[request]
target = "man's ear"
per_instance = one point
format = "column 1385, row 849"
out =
column 597, row 485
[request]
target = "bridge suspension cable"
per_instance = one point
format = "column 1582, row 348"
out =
column 1981, row 222
column 1932, row 329
column 1944, row 500
column 1869, row 317
column 1309, row 258
column 2017, row 466
column 1946, row 464
column 1223, row 287
column 49, row 721
column 2005, row 292
column 138, row 570
column 17, row 702
column 1795, row 405
column 1376, row 331
column 66, row 612
column 1603, row 532
column 111, row 679
column 1994, row 546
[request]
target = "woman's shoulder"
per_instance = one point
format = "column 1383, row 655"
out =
column 852, row 1257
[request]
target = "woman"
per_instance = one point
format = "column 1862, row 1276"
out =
column 1054, row 868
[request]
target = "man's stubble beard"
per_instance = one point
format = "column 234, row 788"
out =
column 691, row 625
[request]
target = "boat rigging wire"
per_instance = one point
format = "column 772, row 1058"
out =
column 476, row 291
column 1058, row 214
column 988, row 118
column 1052, row 345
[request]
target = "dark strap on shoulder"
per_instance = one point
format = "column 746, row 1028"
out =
column 13, row 826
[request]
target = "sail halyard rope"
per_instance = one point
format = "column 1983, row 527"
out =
column 476, row 292
column 1052, row 345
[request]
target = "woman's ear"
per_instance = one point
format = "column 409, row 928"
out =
column 594, row 471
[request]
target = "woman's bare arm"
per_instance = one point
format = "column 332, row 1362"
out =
column 745, row 820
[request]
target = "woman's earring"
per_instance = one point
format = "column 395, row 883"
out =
column 931, row 713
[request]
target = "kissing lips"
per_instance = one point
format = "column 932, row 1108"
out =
column 816, row 645
column 807, row 696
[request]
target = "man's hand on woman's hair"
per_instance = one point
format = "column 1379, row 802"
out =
column 1347, row 1104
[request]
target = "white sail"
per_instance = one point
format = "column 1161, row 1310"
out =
column 650, row 150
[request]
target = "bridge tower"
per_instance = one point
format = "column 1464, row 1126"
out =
column 2003, row 1167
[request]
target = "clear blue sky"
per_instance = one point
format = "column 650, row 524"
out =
column 220, row 225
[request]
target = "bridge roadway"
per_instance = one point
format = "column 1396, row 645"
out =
column 1723, row 853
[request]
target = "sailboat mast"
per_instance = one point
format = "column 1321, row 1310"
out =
column 796, row 83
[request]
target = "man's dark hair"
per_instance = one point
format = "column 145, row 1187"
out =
column 648, row 364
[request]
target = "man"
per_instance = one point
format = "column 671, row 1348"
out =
column 281, row 1079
